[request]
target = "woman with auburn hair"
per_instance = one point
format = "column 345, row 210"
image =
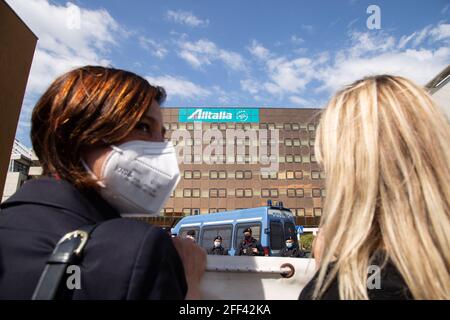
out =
column 99, row 135
column 385, row 148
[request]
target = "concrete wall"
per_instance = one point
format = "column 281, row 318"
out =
column 17, row 44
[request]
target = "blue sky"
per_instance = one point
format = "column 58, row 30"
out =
column 236, row 53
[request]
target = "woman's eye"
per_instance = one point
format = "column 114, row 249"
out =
column 143, row 127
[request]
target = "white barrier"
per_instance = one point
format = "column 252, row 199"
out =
column 255, row 278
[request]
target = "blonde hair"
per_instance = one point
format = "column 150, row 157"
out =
column 384, row 146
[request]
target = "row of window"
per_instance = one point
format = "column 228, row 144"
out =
column 248, row 175
column 288, row 158
column 311, row 127
column 288, row 142
column 194, row 211
column 249, row 193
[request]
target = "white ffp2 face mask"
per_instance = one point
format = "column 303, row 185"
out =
column 139, row 176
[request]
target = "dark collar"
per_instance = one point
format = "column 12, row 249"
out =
column 62, row 194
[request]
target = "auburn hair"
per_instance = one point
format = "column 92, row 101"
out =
column 87, row 107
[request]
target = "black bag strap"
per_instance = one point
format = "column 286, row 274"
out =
column 68, row 251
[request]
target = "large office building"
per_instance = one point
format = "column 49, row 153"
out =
column 260, row 154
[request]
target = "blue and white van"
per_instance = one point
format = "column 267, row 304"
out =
column 270, row 225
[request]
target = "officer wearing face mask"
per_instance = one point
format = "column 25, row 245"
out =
column 191, row 235
column 218, row 249
column 99, row 135
column 291, row 249
column 250, row 246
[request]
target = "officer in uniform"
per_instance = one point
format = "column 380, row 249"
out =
column 291, row 249
column 218, row 249
column 191, row 235
column 250, row 246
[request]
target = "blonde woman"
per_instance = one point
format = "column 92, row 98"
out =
column 385, row 232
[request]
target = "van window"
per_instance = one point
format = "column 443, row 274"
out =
column 209, row 233
column 276, row 236
column 183, row 232
column 256, row 233
column 289, row 230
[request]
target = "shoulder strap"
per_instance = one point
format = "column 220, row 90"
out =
column 68, row 251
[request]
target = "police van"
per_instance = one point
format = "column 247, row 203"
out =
column 270, row 224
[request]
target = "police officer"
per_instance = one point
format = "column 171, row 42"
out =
column 191, row 235
column 218, row 249
column 291, row 249
column 250, row 246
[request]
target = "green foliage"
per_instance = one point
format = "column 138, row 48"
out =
column 306, row 241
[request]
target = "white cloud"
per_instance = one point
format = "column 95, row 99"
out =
column 186, row 18
column 381, row 54
column 69, row 37
column 203, row 52
column 297, row 40
column 250, row 85
column 153, row 47
column 306, row 79
column 63, row 45
column 179, row 87
column 258, row 50
column 298, row 100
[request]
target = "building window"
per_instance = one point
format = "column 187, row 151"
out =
column 296, row 142
column 289, row 174
column 305, row 159
column 297, row 159
column 317, row 212
column 213, row 193
column 312, row 142
column 289, row 158
column 295, row 126
column 322, row 175
column 188, row 174
column 311, row 127
column 222, row 175
column 187, row 193
column 196, row 193
column 187, row 211
column 248, row 174
column 239, row 193
column 287, row 126
column 300, row 193
column 248, row 193
column 288, row 142
column 239, row 175
column 324, row 192
column 274, row 193
column 301, row 212
column 298, row 174
column 213, row 175
column 315, row 175
column 291, row 193
column 313, row 158
column 316, row 193
column 265, row 193
column 196, row 174
column 222, row 193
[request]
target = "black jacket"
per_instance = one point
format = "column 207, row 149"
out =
column 293, row 252
column 124, row 258
column 246, row 248
column 220, row 251
column 392, row 285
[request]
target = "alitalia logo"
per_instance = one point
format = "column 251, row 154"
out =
column 202, row 114
column 199, row 114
